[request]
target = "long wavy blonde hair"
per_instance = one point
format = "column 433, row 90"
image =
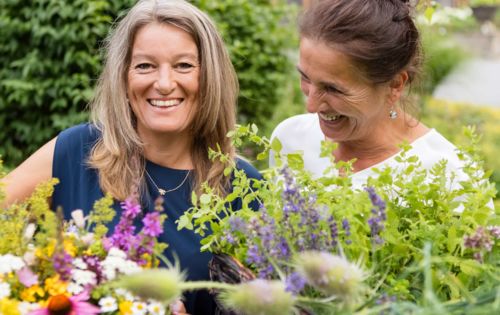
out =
column 118, row 154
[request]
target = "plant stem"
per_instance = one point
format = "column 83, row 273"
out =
column 195, row 285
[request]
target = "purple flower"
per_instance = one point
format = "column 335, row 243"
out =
column 62, row 263
column 131, row 207
column 494, row 231
column 294, row 283
column 376, row 222
column 27, row 277
column 236, row 224
column 152, row 224
column 347, row 230
column 482, row 240
column 94, row 265
column 333, row 231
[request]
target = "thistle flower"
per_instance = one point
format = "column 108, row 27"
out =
column 333, row 275
column 259, row 297
column 158, row 284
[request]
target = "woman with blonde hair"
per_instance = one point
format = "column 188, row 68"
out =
column 166, row 95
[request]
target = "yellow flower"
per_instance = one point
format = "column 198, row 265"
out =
column 9, row 307
column 70, row 247
column 32, row 293
column 54, row 285
column 125, row 307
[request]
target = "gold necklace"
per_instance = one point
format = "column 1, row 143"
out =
column 162, row 191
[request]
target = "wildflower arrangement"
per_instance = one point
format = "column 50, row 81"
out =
column 52, row 266
column 408, row 241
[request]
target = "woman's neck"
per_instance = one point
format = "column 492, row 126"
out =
column 173, row 151
column 381, row 143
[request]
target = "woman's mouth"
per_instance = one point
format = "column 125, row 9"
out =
column 330, row 117
column 165, row 103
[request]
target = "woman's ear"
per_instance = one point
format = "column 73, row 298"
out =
column 397, row 86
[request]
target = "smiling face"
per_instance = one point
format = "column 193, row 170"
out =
column 163, row 80
column 349, row 108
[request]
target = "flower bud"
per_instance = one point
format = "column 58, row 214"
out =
column 78, row 218
column 158, row 284
column 29, row 256
column 29, row 231
column 259, row 297
column 333, row 275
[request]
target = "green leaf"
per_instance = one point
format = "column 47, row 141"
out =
column 184, row 223
column 205, row 199
column 276, row 145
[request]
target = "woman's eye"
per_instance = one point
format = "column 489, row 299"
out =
column 331, row 89
column 184, row 66
column 143, row 66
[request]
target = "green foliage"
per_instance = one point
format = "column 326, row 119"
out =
column 17, row 217
column 441, row 56
column 438, row 114
column 422, row 258
column 258, row 34
column 49, row 52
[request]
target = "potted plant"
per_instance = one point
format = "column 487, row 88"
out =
column 484, row 10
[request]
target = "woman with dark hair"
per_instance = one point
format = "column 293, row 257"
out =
column 167, row 94
column 356, row 59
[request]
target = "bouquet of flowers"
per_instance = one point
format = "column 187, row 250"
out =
column 52, row 266
column 407, row 242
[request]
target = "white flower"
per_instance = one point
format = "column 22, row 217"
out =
column 74, row 288
column 88, row 238
column 27, row 307
column 139, row 308
column 129, row 267
column 9, row 263
column 156, row 308
column 84, row 277
column 29, row 231
column 80, row 264
column 30, row 257
column 4, row 290
column 108, row 304
column 78, row 218
column 125, row 294
column 115, row 252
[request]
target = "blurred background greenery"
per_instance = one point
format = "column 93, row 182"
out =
column 50, row 57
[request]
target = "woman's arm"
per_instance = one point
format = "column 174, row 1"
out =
column 21, row 182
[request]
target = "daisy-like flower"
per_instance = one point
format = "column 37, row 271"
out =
column 139, row 308
column 108, row 304
column 79, row 263
column 156, row 308
column 61, row 304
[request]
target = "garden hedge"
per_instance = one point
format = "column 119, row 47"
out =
column 50, row 57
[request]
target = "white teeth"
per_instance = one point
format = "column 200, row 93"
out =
column 168, row 103
column 329, row 117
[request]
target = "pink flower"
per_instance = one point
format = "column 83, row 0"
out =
column 63, row 305
column 27, row 277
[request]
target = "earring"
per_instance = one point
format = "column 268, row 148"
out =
column 393, row 114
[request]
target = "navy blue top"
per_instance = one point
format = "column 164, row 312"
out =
column 79, row 189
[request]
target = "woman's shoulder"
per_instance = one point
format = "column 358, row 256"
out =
column 81, row 133
column 75, row 142
column 248, row 168
column 434, row 147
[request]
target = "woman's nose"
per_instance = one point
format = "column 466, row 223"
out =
column 165, row 82
column 312, row 100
